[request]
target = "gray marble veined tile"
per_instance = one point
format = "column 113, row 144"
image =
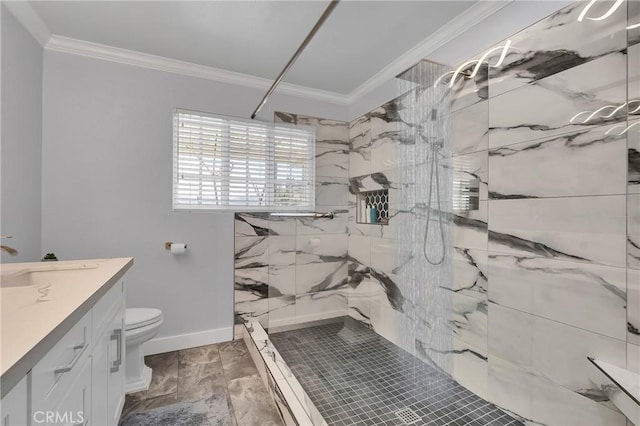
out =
column 469, row 320
column 468, row 92
column 470, row 228
column 338, row 225
column 586, row 162
column 466, row 363
column 549, row 288
column 251, row 225
column 321, row 305
column 557, row 43
column 262, row 224
column 552, row 349
column 331, row 191
column 251, row 251
column 360, row 151
column 633, row 357
column 321, row 262
column 633, row 18
column 633, row 306
column 470, row 129
column 316, row 276
column 633, row 231
column 470, row 367
column 281, row 267
column 263, row 309
column 540, row 401
column 360, row 293
column 388, row 138
column 470, row 272
column 585, row 229
column 371, row 182
column 633, row 71
column 565, row 102
column 360, row 132
column 332, row 142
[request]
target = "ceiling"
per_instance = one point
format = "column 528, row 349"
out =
column 257, row 38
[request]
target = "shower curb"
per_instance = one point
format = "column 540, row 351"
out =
column 271, row 365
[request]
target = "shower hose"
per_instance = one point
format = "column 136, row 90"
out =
column 434, row 171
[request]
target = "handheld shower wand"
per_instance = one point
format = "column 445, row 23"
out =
column 436, row 146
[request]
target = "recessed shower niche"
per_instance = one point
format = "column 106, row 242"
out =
column 372, row 207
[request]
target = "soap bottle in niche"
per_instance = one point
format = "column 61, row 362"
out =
column 367, row 216
column 373, row 215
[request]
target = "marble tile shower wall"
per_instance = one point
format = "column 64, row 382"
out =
column 547, row 270
column 294, row 270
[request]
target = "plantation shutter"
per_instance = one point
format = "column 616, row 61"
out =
column 223, row 163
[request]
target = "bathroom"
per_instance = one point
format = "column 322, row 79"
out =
column 463, row 248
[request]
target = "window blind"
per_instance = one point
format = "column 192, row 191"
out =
column 223, row 163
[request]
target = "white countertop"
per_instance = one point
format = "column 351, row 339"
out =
column 30, row 328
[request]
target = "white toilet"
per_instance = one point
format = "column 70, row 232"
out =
column 141, row 325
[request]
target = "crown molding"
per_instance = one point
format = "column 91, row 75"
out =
column 115, row 54
column 452, row 29
column 29, row 18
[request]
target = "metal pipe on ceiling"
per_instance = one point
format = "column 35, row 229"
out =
column 332, row 5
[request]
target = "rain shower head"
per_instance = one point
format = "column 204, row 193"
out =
column 424, row 72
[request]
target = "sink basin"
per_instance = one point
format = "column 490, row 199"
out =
column 45, row 274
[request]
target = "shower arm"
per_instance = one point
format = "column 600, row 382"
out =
column 306, row 41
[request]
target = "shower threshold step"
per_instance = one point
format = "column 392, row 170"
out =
column 294, row 405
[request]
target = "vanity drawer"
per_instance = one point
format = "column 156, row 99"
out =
column 106, row 308
column 57, row 370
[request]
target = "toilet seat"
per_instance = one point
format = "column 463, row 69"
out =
column 141, row 317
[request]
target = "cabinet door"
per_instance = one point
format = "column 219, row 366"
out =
column 13, row 407
column 115, row 397
column 75, row 407
column 108, row 372
column 100, row 377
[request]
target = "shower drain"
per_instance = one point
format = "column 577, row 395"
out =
column 408, row 416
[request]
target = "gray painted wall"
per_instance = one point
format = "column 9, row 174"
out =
column 21, row 140
column 107, row 173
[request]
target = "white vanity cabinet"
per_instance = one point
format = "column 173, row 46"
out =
column 13, row 407
column 108, row 357
column 80, row 381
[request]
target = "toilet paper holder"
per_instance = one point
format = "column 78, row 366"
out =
column 167, row 245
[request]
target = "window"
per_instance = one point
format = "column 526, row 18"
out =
column 223, row 163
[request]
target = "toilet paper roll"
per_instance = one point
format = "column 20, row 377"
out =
column 177, row 248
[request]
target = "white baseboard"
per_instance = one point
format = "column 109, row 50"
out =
column 185, row 341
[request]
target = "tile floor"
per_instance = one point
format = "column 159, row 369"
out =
column 191, row 374
column 356, row 377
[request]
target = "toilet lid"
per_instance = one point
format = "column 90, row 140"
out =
column 140, row 317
